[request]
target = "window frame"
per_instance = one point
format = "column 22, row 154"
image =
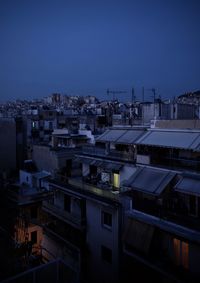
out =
column 108, row 216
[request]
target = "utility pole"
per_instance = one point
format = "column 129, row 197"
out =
column 132, row 105
column 143, row 94
column 133, row 95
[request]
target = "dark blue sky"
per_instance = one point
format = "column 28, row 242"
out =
column 84, row 47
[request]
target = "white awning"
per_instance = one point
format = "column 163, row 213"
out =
column 150, row 180
column 186, row 139
column 189, row 184
column 121, row 136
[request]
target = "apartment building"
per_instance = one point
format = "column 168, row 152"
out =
column 162, row 224
column 24, row 216
column 128, row 205
column 86, row 211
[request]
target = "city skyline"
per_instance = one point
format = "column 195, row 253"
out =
column 86, row 48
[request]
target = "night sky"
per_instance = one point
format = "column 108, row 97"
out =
column 84, row 47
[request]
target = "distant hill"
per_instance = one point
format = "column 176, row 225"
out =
column 189, row 97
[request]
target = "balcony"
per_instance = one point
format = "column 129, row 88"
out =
column 55, row 271
column 168, row 159
column 74, row 220
column 94, row 151
column 112, row 153
column 155, row 255
column 60, row 231
column 25, row 195
column 100, row 190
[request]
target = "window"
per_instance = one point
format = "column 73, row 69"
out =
column 67, row 203
column 106, row 219
column 193, row 205
column 93, row 170
column 34, row 237
column 50, row 125
column 106, row 254
column 181, row 253
column 33, row 125
column 132, row 203
column 34, row 212
column 116, row 180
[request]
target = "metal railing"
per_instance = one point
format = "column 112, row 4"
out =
column 55, row 271
column 105, row 192
column 112, row 153
column 21, row 198
column 57, row 211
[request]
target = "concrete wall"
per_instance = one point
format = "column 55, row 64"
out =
column 7, row 144
column 150, row 110
column 53, row 249
column 194, row 258
column 126, row 173
column 75, row 203
column 85, row 169
column 45, row 159
column 143, row 159
column 178, row 124
column 98, row 235
column 25, row 178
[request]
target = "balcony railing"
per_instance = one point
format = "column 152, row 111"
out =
column 177, row 162
column 169, row 161
column 112, row 153
column 104, row 192
column 74, row 220
column 34, row 196
column 55, row 271
column 175, row 215
column 92, row 150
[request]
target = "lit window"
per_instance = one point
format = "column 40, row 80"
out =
column 106, row 219
column 116, row 180
column 181, row 253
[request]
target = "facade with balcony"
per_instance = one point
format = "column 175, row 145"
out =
column 122, row 209
column 170, row 148
column 23, row 207
column 161, row 228
column 90, row 204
